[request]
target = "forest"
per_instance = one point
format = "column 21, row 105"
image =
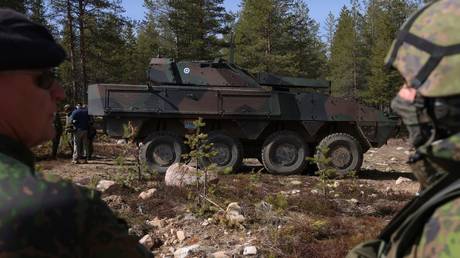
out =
column 277, row 36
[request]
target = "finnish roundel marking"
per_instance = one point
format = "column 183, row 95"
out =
column 186, row 70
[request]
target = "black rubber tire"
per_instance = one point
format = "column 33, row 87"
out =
column 232, row 157
column 298, row 152
column 348, row 145
column 173, row 148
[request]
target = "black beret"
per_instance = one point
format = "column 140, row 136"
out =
column 25, row 44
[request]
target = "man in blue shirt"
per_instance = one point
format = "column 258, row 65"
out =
column 80, row 120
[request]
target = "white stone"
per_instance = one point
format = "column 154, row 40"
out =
column 353, row 201
column 220, row 254
column 184, row 251
column 205, row 223
column 295, row 191
column 407, row 152
column 400, row 148
column 146, row 241
column 147, row 194
column 250, row 250
column 182, row 175
column 296, row 182
column 401, row 180
column 336, row 184
column 103, row 185
column 233, row 214
column 180, row 235
column 156, row 222
column 373, row 195
column 314, row 191
column 336, row 195
column 393, row 159
column 121, row 142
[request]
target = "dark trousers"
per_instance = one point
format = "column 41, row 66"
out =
column 56, row 140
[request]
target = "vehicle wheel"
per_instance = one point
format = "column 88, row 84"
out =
column 285, row 152
column 160, row 150
column 229, row 151
column 344, row 151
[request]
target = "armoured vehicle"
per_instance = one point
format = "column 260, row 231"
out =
column 278, row 120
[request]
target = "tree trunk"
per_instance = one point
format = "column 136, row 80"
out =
column 81, row 22
column 75, row 86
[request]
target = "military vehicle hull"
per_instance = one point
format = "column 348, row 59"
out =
column 278, row 126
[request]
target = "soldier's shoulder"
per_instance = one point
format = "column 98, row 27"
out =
column 12, row 166
column 441, row 233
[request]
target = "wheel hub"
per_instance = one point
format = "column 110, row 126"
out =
column 223, row 155
column 285, row 154
column 341, row 157
column 163, row 154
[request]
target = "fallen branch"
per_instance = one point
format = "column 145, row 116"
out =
column 213, row 203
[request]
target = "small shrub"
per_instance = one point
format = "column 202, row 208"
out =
column 279, row 201
column 325, row 175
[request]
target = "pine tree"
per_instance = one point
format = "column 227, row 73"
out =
column 341, row 61
column 259, row 37
column 383, row 20
column 330, row 28
column 310, row 52
column 194, row 26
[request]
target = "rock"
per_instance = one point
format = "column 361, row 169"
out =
column 400, row 148
column 263, row 207
column 407, row 153
column 373, row 195
column 401, row 180
column 295, row 182
column 180, row 235
column 295, row 191
column 182, row 175
column 336, row 195
column 250, row 250
column 233, row 214
column 116, row 202
column 189, row 216
column 147, row 194
column 393, row 159
column 353, row 201
column 184, row 251
column 104, row 185
column 121, row 142
column 159, row 223
column 136, row 230
column 220, row 254
column 336, row 184
column 205, row 223
column 146, row 241
column 314, row 191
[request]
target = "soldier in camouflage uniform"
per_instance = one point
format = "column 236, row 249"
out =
column 42, row 217
column 427, row 54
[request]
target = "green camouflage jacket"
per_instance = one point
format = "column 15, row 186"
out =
column 441, row 234
column 46, row 218
column 429, row 226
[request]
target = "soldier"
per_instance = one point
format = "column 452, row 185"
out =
column 427, row 55
column 40, row 217
column 69, row 128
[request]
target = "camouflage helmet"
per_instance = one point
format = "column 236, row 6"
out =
column 427, row 49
